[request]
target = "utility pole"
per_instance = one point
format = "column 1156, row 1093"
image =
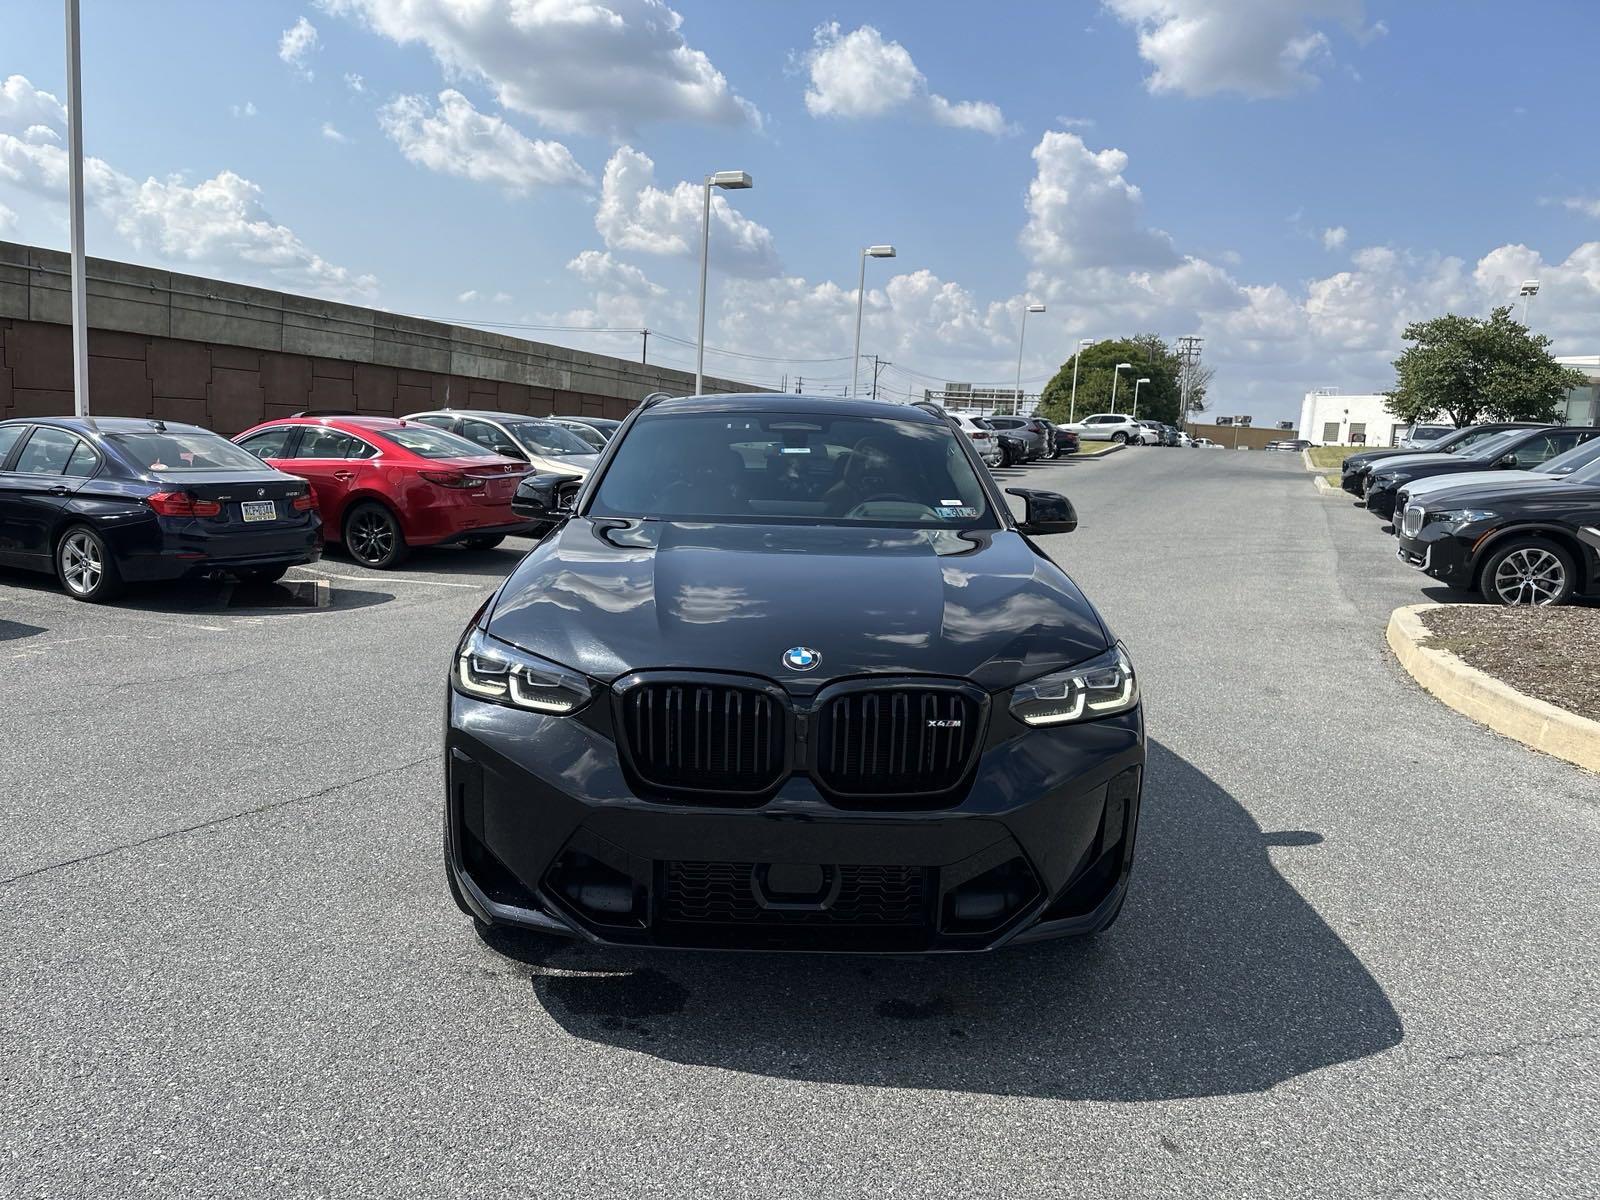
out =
column 1188, row 367
column 799, row 384
column 877, row 366
column 644, row 347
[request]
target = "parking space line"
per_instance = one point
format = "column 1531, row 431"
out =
column 396, row 579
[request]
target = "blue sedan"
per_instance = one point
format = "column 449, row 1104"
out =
column 101, row 502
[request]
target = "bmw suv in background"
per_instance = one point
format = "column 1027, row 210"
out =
column 790, row 676
column 1036, row 433
column 1515, row 449
column 1356, row 468
column 1107, row 427
column 387, row 486
column 108, row 501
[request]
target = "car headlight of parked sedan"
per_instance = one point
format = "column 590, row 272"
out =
column 1101, row 687
column 1384, row 479
column 489, row 669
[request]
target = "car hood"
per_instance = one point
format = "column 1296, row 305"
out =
column 1370, row 458
column 578, row 464
column 607, row 597
column 1520, row 486
column 1424, row 488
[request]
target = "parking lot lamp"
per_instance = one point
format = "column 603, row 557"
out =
column 1021, row 341
column 861, row 295
column 1136, row 384
column 1528, row 290
column 1072, row 411
column 1116, row 375
column 732, row 181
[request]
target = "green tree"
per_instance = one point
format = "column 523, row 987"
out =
column 1471, row 369
column 1151, row 359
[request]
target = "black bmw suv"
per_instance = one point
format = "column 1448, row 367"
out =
column 789, row 675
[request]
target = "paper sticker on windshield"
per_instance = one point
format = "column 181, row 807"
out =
column 796, row 450
column 956, row 511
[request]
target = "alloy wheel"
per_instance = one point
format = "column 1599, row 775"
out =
column 81, row 564
column 1530, row 576
column 372, row 536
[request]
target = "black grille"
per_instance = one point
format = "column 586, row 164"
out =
column 704, row 737
column 724, row 893
column 896, row 741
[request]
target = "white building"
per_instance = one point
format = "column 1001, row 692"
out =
column 1333, row 418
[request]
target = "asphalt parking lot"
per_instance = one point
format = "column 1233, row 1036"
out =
column 1358, row 959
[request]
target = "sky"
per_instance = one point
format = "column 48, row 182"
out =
column 1292, row 180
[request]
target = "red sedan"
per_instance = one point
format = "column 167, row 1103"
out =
column 386, row 486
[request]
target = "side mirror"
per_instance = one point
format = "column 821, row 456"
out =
column 1045, row 512
column 1508, row 460
column 509, row 451
column 545, row 496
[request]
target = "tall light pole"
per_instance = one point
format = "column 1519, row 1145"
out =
column 732, row 181
column 1115, row 376
column 1022, row 339
column 1529, row 289
column 1072, row 412
column 861, row 298
column 1136, row 384
column 80, row 302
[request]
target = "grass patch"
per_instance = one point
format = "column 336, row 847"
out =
column 1090, row 449
column 1325, row 457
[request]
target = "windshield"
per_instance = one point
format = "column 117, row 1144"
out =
column 810, row 467
column 593, row 437
column 431, row 443
column 187, row 450
column 555, row 439
column 1469, row 439
column 1490, row 447
column 1573, row 462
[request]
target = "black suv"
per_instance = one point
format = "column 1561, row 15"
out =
column 1356, row 468
column 1514, row 449
column 790, row 676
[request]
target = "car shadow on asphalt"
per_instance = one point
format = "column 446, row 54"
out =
column 11, row 631
column 189, row 597
column 1219, row 978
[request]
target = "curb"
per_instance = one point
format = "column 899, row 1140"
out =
column 1533, row 722
column 1305, row 457
column 1325, row 489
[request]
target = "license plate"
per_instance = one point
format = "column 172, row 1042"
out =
column 260, row 510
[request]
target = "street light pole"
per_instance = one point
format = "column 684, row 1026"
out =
column 1115, row 377
column 733, row 181
column 1072, row 412
column 1136, row 384
column 80, row 302
column 1021, row 341
column 1529, row 289
column 861, row 297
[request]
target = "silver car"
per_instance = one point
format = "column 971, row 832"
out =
column 544, row 445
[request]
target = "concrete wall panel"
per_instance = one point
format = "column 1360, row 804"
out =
column 178, row 408
column 286, row 379
column 118, row 387
column 36, row 402
column 179, row 369
column 237, row 400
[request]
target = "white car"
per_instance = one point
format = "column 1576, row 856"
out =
column 1207, row 443
column 1184, row 439
column 984, row 441
column 543, row 445
column 1108, row 427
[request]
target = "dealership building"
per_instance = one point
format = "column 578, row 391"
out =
column 1329, row 417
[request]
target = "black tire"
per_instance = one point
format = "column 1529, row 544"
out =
column 85, row 568
column 1120, row 437
column 372, row 537
column 263, row 574
column 487, row 542
column 1528, row 570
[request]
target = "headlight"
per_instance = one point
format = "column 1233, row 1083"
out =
column 1101, row 687
column 489, row 669
column 1384, row 478
column 1459, row 518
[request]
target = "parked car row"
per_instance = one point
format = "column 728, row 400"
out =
column 1510, row 510
column 103, row 502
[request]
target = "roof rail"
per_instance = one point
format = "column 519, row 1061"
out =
column 328, row 412
column 654, row 398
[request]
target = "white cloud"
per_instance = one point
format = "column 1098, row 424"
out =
column 218, row 224
column 1258, row 48
column 580, row 66
column 1082, row 212
column 1334, row 237
column 467, row 297
column 634, row 214
column 332, row 134
column 454, row 138
column 1589, row 206
column 355, row 82
column 247, row 109
column 8, row 219
column 502, row 297
column 1075, row 122
column 860, row 74
column 297, row 44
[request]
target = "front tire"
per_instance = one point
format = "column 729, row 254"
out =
column 1530, row 570
column 373, row 538
column 85, row 567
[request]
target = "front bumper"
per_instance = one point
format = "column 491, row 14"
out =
column 1354, row 482
column 543, row 831
column 1433, row 551
column 1380, row 498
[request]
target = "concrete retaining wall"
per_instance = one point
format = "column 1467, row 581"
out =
column 224, row 355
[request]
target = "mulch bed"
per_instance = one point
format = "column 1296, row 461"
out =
column 1550, row 653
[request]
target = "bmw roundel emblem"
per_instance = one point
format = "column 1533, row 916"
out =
column 801, row 658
